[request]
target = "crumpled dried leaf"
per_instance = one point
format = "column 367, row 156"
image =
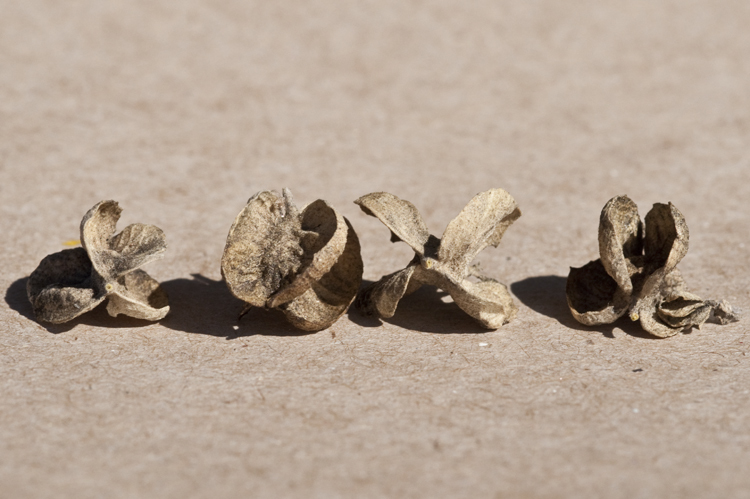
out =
column 444, row 263
column 306, row 263
column 637, row 273
column 73, row 281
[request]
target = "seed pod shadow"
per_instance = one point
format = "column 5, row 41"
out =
column 202, row 305
column 428, row 310
column 17, row 300
column 545, row 295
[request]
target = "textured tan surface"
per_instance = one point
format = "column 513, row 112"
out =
column 182, row 110
column 445, row 262
column 71, row 282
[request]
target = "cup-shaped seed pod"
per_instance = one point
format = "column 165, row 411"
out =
column 306, row 263
column 71, row 282
column 637, row 273
column 444, row 263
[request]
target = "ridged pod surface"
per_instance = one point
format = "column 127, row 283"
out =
column 306, row 262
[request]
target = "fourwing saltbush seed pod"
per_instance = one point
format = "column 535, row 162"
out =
column 73, row 281
column 444, row 263
column 306, row 263
column 637, row 273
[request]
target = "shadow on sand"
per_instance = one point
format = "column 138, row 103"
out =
column 198, row 305
column 203, row 306
column 425, row 311
column 17, row 300
column 546, row 295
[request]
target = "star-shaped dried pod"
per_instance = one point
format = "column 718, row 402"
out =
column 306, row 263
column 637, row 273
column 444, row 263
column 73, row 281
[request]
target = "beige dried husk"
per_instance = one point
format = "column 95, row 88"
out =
column 306, row 263
column 71, row 282
column 444, row 263
column 637, row 273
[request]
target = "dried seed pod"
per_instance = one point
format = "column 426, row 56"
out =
column 306, row 263
column 71, row 282
column 637, row 273
column 444, row 263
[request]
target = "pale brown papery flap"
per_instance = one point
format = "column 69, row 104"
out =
column 60, row 289
column 263, row 249
column 620, row 237
column 321, row 252
column 482, row 222
column 138, row 295
column 400, row 216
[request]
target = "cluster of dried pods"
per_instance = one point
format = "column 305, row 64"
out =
column 307, row 263
column 637, row 273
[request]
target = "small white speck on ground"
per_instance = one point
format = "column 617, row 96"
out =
column 236, row 328
column 635, row 410
column 483, row 344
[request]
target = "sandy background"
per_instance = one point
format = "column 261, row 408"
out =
column 183, row 110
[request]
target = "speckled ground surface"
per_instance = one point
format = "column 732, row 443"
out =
column 182, row 110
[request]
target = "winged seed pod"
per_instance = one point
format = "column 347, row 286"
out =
column 73, row 281
column 637, row 273
column 444, row 263
column 306, row 263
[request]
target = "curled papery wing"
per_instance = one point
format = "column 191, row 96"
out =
column 677, row 307
column 98, row 225
column 324, row 239
column 400, row 216
column 593, row 295
column 60, row 287
column 666, row 239
column 309, row 313
column 114, row 256
column 666, row 242
column 135, row 246
column 620, row 235
column 650, row 320
column 263, row 249
column 328, row 296
column 684, row 311
column 138, row 295
column 482, row 222
column 488, row 302
column 381, row 298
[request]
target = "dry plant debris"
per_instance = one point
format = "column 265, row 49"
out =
column 444, row 263
column 637, row 273
column 73, row 281
column 306, row 263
